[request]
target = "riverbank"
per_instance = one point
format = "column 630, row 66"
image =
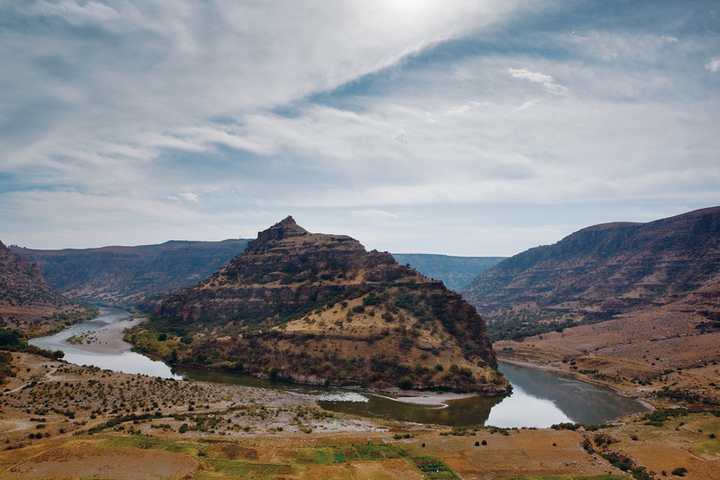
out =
column 65, row 421
column 696, row 384
column 649, row 404
column 663, row 355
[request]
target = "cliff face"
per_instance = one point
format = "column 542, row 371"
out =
column 317, row 308
column 26, row 302
column 131, row 275
column 603, row 271
column 21, row 282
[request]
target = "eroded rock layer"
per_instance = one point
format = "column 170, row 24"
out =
column 318, row 308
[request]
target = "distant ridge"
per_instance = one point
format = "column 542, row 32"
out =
column 130, row 275
column 456, row 272
column 604, row 270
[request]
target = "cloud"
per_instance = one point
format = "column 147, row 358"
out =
column 713, row 65
column 144, row 121
column 189, row 196
column 546, row 81
column 74, row 12
column 528, row 104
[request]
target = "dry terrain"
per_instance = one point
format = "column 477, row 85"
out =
column 663, row 352
column 60, row 421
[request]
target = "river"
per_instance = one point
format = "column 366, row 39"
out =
column 539, row 399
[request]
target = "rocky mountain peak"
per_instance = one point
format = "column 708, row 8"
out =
column 285, row 228
column 319, row 308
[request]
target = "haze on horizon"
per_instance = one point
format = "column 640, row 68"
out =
column 460, row 127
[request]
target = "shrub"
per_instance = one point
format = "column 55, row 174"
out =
column 405, row 384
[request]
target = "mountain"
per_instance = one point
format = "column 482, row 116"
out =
column 131, row 275
column 455, row 272
column 318, row 308
column 601, row 272
column 27, row 303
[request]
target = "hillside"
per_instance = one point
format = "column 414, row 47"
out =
column 601, row 272
column 318, row 308
column 633, row 305
column 455, row 272
column 130, row 275
column 26, row 302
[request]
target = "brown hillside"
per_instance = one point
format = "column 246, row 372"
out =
column 26, row 301
column 603, row 271
column 318, row 308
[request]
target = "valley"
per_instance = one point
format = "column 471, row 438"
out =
column 304, row 355
column 82, row 420
column 65, row 421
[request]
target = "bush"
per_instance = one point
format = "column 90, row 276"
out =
column 680, row 472
column 405, row 384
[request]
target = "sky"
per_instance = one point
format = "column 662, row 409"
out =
column 461, row 127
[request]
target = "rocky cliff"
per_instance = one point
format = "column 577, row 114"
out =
column 26, row 301
column 601, row 272
column 318, row 308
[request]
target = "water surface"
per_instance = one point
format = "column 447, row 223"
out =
column 539, row 399
column 111, row 352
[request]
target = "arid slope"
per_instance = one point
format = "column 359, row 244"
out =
column 26, row 302
column 604, row 271
column 633, row 305
column 317, row 308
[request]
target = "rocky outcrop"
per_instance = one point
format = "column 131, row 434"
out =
column 26, row 302
column 21, row 282
column 318, row 308
column 603, row 271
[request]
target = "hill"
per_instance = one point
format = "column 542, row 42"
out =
column 455, row 272
column 601, row 272
column 633, row 305
column 131, row 275
column 318, row 308
column 27, row 303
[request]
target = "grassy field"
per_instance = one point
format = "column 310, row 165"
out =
column 429, row 456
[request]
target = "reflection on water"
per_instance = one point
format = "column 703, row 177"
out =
column 578, row 402
column 117, row 355
column 467, row 411
column 539, row 398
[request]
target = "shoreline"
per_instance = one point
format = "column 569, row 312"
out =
column 580, row 378
column 109, row 338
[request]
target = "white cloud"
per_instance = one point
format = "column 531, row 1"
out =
column 73, row 11
column 546, row 81
column 713, row 65
column 189, row 196
column 162, row 113
column 375, row 215
column 528, row 104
